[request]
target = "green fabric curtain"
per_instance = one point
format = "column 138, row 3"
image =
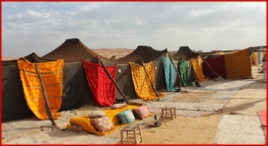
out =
column 183, row 69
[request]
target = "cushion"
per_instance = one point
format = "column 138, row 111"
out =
column 96, row 114
column 118, row 105
column 103, row 124
column 126, row 117
column 142, row 112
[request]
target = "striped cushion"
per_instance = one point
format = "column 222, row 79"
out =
column 126, row 117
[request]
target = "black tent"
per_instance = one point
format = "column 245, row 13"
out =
column 76, row 91
column 146, row 54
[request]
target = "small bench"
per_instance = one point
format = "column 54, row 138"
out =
column 131, row 135
column 168, row 112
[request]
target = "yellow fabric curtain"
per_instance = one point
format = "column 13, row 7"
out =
column 198, row 69
column 254, row 58
column 52, row 76
column 84, row 121
column 142, row 84
column 238, row 64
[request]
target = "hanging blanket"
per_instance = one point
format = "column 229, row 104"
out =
column 51, row 73
column 142, row 84
column 198, row 70
column 101, row 86
column 218, row 64
column 238, row 64
column 170, row 73
column 254, row 58
column 183, row 68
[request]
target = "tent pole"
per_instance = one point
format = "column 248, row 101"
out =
column 48, row 111
column 149, row 79
column 109, row 75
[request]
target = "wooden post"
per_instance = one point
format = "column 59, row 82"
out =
column 48, row 111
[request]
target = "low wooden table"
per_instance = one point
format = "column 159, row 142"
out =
column 168, row 112
column 131, row 135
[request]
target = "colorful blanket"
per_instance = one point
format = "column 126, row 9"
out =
column 198, row 69
column 217, row 64
column 170, row 73
column 142, row 84
column 101, row 86
column 52, row 76
column 183, row 68
column 238, row 64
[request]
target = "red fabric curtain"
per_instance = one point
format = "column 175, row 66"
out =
column 101, row 86
column 218, row 64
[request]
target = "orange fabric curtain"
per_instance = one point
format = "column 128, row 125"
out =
column 52, row 76
column 238, row 64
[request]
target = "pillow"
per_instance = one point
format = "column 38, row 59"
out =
column 142, row 112
column 96, row 114
column 103, row 124
column 118, row 105
column 126, row 117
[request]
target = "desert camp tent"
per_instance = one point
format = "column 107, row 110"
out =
column 256, row 53
column 77, row 86
column 14, row 105
column 186, row 54
column 76, row 91
column 231, row 64
column 146, row 54
column 72, row 50
column 234, row 65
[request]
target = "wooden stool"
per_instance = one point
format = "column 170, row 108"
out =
column 131, row 135
column 168, row 112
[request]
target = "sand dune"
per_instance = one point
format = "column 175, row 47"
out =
column 109, row 52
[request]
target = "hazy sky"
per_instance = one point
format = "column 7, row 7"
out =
column 41, row 27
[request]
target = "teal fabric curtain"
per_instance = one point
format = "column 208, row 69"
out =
column 170, row 74
column 183, row 68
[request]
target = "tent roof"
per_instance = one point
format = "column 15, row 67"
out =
column 185, row 53
column 72, row 50
column 145, row 53
column 256, row 49
column 32, row 57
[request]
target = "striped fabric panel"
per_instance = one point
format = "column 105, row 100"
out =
column 52, row 76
